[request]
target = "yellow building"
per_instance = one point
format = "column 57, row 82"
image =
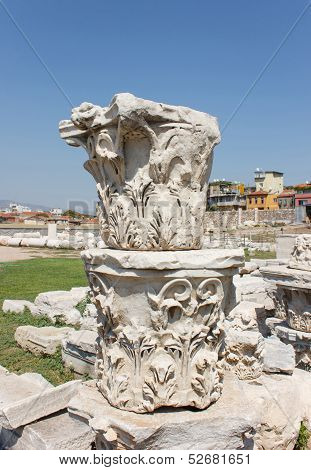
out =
column 262, row 200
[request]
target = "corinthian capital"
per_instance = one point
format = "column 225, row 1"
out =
column 151, row 163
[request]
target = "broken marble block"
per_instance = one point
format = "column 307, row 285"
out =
column 61, row 305
column 244, row 353
column 79, row 352
column 253, row 289
column 248, row 268
column 300, row 340
column 24, row 399
column 278, row 357
column 55, row 432
column 40, row 341
column 262, row 414
column 15, row 306
column 89, row 318
column 247, row 316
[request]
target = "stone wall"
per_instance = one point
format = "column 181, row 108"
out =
column 280, row 215
column 232, row 219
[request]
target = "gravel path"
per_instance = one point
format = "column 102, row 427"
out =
column 8, row 253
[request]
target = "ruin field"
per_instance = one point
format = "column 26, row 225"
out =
column 25, row 280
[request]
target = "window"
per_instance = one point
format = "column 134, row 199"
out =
column 255, row 200
column 262, row 200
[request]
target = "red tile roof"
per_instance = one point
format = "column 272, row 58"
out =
column 257, row 193
column 287, row 194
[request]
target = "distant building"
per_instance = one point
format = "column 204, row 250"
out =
column 226, row 195
column 17, row 208
column 303, row 194
column 269, row 181
column 262, row 200
column 56, row 211
column 286, row 200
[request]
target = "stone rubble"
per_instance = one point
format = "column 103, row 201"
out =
column 24, row 399
column 259, row 414
column 59, row 431
column 15, row 306
column 40, row 341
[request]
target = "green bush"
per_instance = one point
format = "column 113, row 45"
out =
column 303, row 437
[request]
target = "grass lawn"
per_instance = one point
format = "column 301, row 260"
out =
column 259, row 255
column 25, row 280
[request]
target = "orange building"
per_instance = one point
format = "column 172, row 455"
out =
column 262, row 200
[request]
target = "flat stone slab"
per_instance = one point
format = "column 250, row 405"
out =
column 287, row 277
column 56, row 432
column 27, row 399
column 15, row 306
column 161, row 260
column 79, row 351
column 278, row 357
column 40, row 341
column 262, row 414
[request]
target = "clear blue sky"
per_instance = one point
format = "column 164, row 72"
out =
column 203, row 54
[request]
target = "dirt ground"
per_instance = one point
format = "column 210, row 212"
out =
column 8, row 253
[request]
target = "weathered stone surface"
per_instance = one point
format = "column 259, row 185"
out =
column 243, row 353
column 24, row 400
column 79, row 351
column 248, row 268
column 40, row 341
column 301, row 256
column 53, row 243
column 253, row 289
column 262, row 414
column 247, row 316
column 292, row 296
column 207, row 259
column 4, row 240
column 165, row 313
column 34, row 377
column 34, row 242
column 14, row 241
column 27, row 235
column 56, row 432
column 15, row 306
column 244, row 343
column 278, row 357
column 151, row 163
column 284, row 245
column 300, row 340
column 284, row 276
column 60, row 305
